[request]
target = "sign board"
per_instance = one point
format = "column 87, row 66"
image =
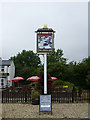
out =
column 45, row 43
column 45, row 103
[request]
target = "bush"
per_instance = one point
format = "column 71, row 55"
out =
column 33, row 84
column 34, row 94
column 60, row 83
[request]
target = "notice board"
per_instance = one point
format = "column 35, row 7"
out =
column 45, row 103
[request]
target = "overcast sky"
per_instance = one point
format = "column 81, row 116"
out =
column 69, row 20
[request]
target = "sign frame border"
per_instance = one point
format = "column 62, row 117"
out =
column 51, row 105
column 45, row 50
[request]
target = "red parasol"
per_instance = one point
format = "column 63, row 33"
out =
column 52, row 79
column 16, row 79
column 33, row 78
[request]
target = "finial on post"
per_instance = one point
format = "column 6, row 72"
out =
column 45, row 26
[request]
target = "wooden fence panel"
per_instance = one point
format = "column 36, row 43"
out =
column 16, row 96
column 19, row 96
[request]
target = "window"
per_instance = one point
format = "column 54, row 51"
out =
column 2, row 82
column 2, row 68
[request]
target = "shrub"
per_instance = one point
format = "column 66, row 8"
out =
column 34, row 94
column 60, row 83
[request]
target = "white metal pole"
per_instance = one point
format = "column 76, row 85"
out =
column 45, row 73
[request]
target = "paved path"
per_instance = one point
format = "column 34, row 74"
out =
column 76, row 110
column 44, row 119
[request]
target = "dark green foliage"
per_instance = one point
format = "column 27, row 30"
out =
column 57, row 64
column 26, row 58
column 57, row 57
column 78, row 73
column 62, row 83
column 28, row 64
column 34, row 94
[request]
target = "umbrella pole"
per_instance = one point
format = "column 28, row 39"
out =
column 45, row 73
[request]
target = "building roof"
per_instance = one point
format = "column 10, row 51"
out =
column 6, row 62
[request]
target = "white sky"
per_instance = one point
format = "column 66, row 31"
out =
column 21, row 20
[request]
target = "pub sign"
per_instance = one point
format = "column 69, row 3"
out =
column 45, row 40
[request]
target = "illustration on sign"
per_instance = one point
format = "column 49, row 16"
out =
column 45, row 42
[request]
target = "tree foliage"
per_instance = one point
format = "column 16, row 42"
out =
column 28, row 64
column 26, row 58
column 57, row 64
column 57, row 56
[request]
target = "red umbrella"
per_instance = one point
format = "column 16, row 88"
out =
column 16, row 79
column 34, row 78
column 52, row 79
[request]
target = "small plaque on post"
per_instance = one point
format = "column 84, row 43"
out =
column 45, row 103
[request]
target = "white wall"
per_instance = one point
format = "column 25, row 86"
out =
column 5, row 69
column 11, row 70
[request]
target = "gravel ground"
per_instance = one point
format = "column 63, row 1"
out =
column 76, row 110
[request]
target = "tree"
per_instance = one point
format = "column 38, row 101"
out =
column 26, row 63
column 78, row 73
column 88, row 80
column 26, row 58
column 57, row 56
column 86, row 62
column 57, row 69
column 56, row 64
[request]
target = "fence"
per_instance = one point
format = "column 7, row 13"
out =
column 16, row 96
column 19, row 96
column 70, row 97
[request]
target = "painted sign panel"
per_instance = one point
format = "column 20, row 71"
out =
column 45, row 103
column 45, row 43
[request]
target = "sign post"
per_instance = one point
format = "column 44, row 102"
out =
column 45, row 45
column 45, row 73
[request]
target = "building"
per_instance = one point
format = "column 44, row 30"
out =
column 7, row 72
